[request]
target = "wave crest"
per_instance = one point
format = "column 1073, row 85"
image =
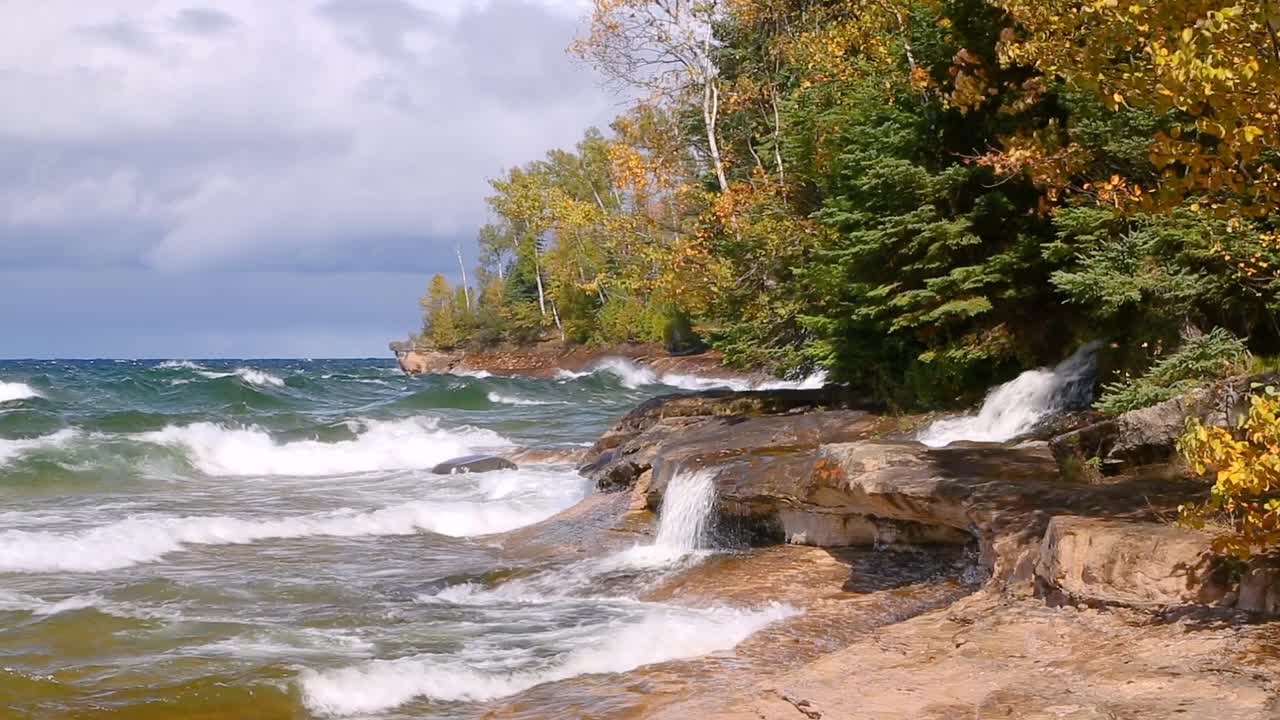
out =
column 144, row 539
column 12, row 449
column 662, row 634
column 10, row 391
column 381, row 445
column 633, row 376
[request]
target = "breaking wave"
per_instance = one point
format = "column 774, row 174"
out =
column 10, row 391
column 511, row 400
column 380, row 445
column 633, row 376
column 179, row 365
column 144, row 539
column 259, row 378
column 12, row 449
column 661, row 634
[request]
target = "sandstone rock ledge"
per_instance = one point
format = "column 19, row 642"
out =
column 1096, row 607
column 806, row 467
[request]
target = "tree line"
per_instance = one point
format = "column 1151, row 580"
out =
column 922, row 196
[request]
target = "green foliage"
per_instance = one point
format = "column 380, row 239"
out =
column 1203, row 356
column 923, row 197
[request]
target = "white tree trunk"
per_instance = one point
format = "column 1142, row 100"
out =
column 466, row 294
column 537, row 273
column 710, row 111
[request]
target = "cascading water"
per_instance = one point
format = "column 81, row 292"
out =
column 685, row 519
column 1016, row 407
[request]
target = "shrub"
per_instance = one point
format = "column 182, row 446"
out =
column 1245, row 463
column 1203, row 356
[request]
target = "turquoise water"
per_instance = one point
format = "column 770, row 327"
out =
column 264, row 538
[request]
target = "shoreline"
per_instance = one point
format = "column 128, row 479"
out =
column 1084, row 580
column 547, row 359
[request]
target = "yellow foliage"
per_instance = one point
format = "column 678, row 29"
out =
column 1216, row 62
column 1245, row 465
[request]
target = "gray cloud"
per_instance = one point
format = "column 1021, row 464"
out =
column 357, row 135
column 203, row 21
column 120, row 33
column 263, row 178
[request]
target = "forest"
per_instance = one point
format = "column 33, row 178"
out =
column 923, row 197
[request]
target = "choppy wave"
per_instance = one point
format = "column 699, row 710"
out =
column 661, row 634
column 513, row 400
column 380, row 445
column 10, row 391
column 12, row 449
column 259, row 378
column 144, row 539
column 20, row 602
column 179, row 365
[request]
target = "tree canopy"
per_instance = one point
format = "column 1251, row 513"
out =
column 923, row 196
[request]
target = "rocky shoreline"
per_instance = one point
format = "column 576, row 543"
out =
column 547, row 359
column 1088, row 602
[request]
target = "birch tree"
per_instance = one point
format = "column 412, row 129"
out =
column 664, row 47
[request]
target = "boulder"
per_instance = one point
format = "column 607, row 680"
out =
column 473, row 464
column 1149, row 436
column 1134, row 564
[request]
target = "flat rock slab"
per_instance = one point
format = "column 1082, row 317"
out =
column 473, row 464
column 987, row 658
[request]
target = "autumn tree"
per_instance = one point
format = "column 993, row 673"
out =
column 438, row 314
column 666, row 48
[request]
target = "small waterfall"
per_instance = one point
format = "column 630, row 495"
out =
column 1017, row 406
column 685, row 519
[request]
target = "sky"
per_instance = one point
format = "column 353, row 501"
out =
column 239, row 178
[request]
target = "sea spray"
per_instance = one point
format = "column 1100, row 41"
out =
column 1016, row 407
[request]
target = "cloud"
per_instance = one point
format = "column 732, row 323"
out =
column 203, row 21
column 348, row 136
column 121, row 34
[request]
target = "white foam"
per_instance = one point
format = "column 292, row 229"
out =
column 685, row 519
column 408, row 444
column 661, row 634
column 471, row 373
column 512, row 400
column 21, row 602
column 1016, row 407
column 10, row 391
column 260, row 378
column 179, row 365
column 634, row 376
column 12, row 449
column 147, row 538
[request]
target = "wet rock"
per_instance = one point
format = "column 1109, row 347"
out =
column 473, row 464
column 1135, row 564
column 661, row 427
column 415, row 362
column 1149, row 436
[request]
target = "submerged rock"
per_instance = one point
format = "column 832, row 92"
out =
column 473, row 464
